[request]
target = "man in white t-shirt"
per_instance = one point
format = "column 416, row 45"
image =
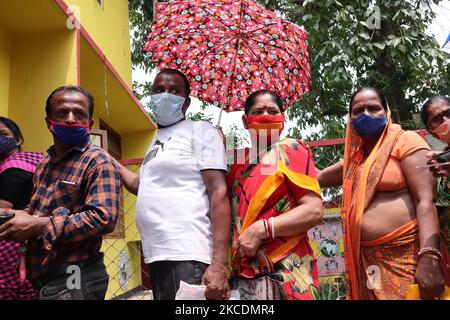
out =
column 183, row 212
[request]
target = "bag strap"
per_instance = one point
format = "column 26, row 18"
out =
column 264, row 262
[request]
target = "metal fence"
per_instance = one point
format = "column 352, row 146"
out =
column 326, row 239
column 129, row 275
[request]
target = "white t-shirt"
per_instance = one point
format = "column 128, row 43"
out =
column 172, row 204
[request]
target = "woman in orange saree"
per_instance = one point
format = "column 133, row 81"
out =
column 275, row 200
column 391, row 230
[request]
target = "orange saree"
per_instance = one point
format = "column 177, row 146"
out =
column 361, row 177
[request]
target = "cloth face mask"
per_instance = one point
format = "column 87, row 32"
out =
column 7, row 144
column 69, row 134
column 367, row 126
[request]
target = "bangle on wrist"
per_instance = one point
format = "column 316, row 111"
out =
column 431, row 256
column 269, row 229
column 272, row 225
column 266, row 228
column 430, row 251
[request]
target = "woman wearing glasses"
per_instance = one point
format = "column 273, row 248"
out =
column 435, row 115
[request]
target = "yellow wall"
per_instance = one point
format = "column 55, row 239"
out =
column 39, row 64
column 109, row 28
column 32, row 65
column 112, row 249
column 135, row 145
column 5, row 56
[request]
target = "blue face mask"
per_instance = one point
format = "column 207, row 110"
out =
column 7, row 144
column 367, row 126
column 167, row 108
column 69, row 134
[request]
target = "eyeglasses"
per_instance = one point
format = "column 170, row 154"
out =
column 437, row 120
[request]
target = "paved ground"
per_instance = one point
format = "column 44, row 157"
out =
column 142, row 295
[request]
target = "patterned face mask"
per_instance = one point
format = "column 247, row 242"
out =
column 7, row 144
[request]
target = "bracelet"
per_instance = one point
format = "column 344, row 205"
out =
column 431, row 250
column 273, row 227
column 265, row 227
column 431, row 256
column 269, row 230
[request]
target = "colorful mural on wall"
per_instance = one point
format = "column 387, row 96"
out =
column 328, row 244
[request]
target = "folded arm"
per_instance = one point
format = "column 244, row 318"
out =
column 331, row 176
column 97, row 217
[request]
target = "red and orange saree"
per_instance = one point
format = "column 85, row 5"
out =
column 271, row 186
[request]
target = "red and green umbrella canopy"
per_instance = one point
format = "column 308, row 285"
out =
column 229, row 49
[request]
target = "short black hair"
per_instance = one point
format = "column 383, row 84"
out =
column 428, row 104
column 87, row 94
column 11, row 125
column 251, row 99
column 187, row 84
column 380, row 95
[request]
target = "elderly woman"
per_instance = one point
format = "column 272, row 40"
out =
column 391, row 230
column 435, row 115
column 275, row 200
column 16, row 184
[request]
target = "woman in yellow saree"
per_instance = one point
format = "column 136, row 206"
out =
column 275, row 200
column 391, row 230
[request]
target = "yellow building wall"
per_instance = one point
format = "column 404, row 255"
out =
column 5, row 57
column 109, row 27
column 135, row 145
column 39, row 64
column 31, row 66
column 112, row 249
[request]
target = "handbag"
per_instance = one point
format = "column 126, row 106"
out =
column 265, row 286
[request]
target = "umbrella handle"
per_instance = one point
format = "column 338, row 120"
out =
column 220, row 118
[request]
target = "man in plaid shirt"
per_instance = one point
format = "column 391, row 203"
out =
column 75, row 202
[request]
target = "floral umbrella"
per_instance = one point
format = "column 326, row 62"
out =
column 229, row 49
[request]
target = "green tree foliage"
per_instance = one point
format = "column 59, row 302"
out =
column 352, row 43
column 359, row 43
column 236, row 137
column 141, row 16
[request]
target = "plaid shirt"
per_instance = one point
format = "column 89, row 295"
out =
column 80, row 194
